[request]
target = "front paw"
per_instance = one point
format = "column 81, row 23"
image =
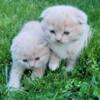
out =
column 53, row 67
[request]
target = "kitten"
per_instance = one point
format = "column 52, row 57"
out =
column 67, row 33
column 29, row 51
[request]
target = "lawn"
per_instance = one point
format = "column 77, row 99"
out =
column 82, row 84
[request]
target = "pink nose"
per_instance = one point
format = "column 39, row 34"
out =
column 58, row 37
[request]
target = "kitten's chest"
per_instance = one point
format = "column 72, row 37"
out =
column 59, row 50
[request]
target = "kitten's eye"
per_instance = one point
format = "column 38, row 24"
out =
column 37, row 58
column 25, row 60
column 52, row 31
column 66, row 32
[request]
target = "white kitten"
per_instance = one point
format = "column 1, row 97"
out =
column 29, row 51
column 67, row 33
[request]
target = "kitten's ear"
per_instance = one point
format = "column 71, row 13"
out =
column 43, row 43
column 45, row 13
column 13, row 45
column 13, row 49
column 81, row 17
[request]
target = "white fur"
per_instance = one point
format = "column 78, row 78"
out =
column 62, row 49
column 15, row 76
column 68, row 9
column 55, row 18
column 53, row 67
column 28, row 44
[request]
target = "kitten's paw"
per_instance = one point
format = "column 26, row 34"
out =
column 53, row 67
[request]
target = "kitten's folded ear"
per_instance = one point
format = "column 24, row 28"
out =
column 78, row 14
column 13, row 48
column 82, row 18
column 43, row 42
column 45, row 13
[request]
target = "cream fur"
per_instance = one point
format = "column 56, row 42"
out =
column 28, row 45
column 69, row 19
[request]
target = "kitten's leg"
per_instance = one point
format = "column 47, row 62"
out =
column 54, row 62
column 70, row 63
column 38, row 73
column 15, row 75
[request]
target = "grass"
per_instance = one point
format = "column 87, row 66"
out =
column 82, row 84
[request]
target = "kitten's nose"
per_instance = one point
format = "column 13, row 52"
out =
column 58, row 37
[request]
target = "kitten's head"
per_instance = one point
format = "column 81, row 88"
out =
column 30, row 53
column 63, row 24
column 36, row 57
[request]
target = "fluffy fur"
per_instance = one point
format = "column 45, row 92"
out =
column 29, row 51
column 67, row 33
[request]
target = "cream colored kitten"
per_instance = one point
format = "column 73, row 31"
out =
column 67, row 33
column 29, row 51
